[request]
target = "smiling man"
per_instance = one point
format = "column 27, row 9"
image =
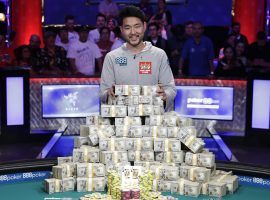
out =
column 137, row 62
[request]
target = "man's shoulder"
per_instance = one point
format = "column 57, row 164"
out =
column 158, row 50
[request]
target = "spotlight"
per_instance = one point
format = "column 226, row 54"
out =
column 2, row 17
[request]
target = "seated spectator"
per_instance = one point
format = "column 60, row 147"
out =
column 63, row 42
column 51, row 59
column 104, row 43
column 145, row 6
column 259, row 51
column 164, row 18
column 22, row 56
column 94, row 34
column 69, row 25
column 236, row 31
column 34, row 42
column 155, row 38
column 230, row 66
column 6, row 53
column 34, row 46
column 108, row 8
column 241, row 52
column 83, row 54
column 230, row 41
column 112, row 23
column 119, row 40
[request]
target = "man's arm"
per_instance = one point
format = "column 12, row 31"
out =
column 73, row 65
column 107, row 80
column 99, row 63
column 166, row 81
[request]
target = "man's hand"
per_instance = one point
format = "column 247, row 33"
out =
column 161, row 93
column 111, row 91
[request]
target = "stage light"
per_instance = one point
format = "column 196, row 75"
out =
column 2, row 17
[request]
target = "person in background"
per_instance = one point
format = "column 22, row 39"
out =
column 164, row 18
column 108, row 8
column 94, row 35
column 63, row 35
column 241, row 53
column 137, row 62
column 230, row 66
column 230, row 41
column 104, row 43
column 22, row 56
column 155, row 38
column 112, row 23
column 6, row 53
column 69, row 25
column 188, row 26
column 34, row 42
column 51, row 59
column 119, row 40
column 198, row 51
column 34, row 46
column 259, row 52
column 83, row 54
column 236, row 31
column 145, row 6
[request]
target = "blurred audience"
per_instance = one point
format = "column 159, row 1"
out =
column 94, row 35
column 119, row 40
column 63, row 42
column 83, row 54
column 145, row 6
column 198, row 51
column 164, row 18
column 104, row 43
column 22, row 56
column 112, row 23
column 108, row 8
column 230, row 66
column 51, row 59
column 188, row 29
column 241, row 52
column 230, row 41
column 259, row 52
column 6, row 53
column 69, row 25
column 236, row 28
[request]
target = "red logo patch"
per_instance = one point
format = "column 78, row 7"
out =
column 145, row 67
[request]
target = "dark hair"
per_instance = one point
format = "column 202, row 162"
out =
column 62, row 29
column 261, row 35
column 18, row 51
column 245, row 46
column 83, row 28
column 117, row 31
column 198, row 22
column 131, row 11
column 100, row 15
column 154, row 24
column 229, row 47
column 48, row 34
column 69, row 17
column 103, row 28
column 188, row 23
column 235, row 24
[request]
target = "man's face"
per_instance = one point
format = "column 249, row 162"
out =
column 100, row 22
column 133, row 30
column 197, row 30
column 111, row 25
column 70, row 24
column 83, row 36
column 188, row 29
column 236, row 29
column 63, row 34
column 153, row 31
column 50, row 41
column 105, row 35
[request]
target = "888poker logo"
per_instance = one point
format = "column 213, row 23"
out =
column 122, row 61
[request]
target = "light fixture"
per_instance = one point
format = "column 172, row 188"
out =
column 2, row 17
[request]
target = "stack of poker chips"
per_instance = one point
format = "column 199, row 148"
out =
column 114, row 184
column 146, row 184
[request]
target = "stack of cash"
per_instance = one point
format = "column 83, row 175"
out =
column 147, row 156
column 189, row 188
column 95, row 196
column 193, row 173
column 53, row 185
column 206, row 159
column 170, row 157
column 113, row 110
column 64, row 170
column 97, row 120
column 113, row 157
column 62, row 160
column 86, row 154
column 169, row 173
column 165, row 144
column 91, row 184
column 90, row 170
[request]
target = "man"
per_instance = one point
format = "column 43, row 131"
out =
column 236, row 31
column 95, row 34
column 259, row 52
column 188, row 29
column 198, row 51
column 83, row 54
column 108, row 8
column 155, row 38
column 126, row 65
column 69, row 25
column 64, row 41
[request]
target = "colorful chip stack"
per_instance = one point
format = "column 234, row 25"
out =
column 146, row 184
column 125, row 194
column 114, row 185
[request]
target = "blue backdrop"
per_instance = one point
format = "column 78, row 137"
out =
column 209, row 12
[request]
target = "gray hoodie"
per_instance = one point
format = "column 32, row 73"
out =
column 149, row 67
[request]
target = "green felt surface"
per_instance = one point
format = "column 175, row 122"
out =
column 34, row 191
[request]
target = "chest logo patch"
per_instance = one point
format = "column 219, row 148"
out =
column 122, row 61
column 145, row 67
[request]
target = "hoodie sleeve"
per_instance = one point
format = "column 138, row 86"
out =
column 107, row 78
column 166, row 79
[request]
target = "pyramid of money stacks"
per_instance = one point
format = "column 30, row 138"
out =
column 133, row 130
